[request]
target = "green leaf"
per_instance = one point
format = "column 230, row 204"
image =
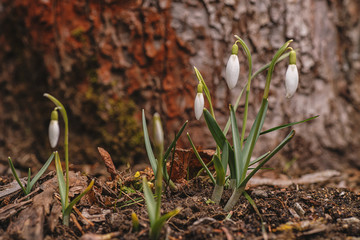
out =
column 253, row 204
column 239, row 165
column 214, row 128
column 149, row 150
column 266, row 66
column 28, row 187
column 61, row 181
column 77, row 199
column 15, row 175
column 273, row 152
column 252, row 139
column 41, row 171
column 156, row 228
column 150, row 202
column 220, row 172
column 287, row 125
column 220, row 140
column 166, row 155
column 259, row 158
column 200, row 160
column 225, row 155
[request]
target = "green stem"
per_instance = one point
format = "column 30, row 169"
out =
column 272, row 66
column 217, row 193
column 245, row 116
column 234, row 198
column 66, row 142
column 158, row 189
column 66, row 219
column 206, row 90
column 248, row 55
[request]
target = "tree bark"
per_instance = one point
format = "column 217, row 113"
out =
column 95, row 55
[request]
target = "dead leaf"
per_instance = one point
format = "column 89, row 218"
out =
column 108, row 162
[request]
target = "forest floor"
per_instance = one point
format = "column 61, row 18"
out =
column 322, row 205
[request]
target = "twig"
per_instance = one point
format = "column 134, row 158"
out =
column 77, row 224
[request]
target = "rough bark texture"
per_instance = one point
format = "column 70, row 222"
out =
column 97, row 56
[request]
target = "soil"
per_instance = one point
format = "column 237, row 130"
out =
column 316, row 208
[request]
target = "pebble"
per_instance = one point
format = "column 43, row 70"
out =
column 260, row 193
column 299, row 209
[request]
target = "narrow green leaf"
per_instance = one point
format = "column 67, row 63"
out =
column 239, row 165
column 225, row 155
column 259, row 158
column 214, row 128
column 200, row 160
column 287, row 125
column 253, row 204
column 252, row 138
column 156, row 228
column 266, row 66
column 61, row 181
column 273, row 152
column 220, row 172
column 28, row 187
column 15, row 175
column 41, row 171
column 149, row 150
column 150, row 202
column 227, row 126
column 166, row 155
column 77, row 199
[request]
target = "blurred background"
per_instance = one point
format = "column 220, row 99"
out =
column 106, row 60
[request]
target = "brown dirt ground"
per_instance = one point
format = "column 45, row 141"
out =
column 309, row 211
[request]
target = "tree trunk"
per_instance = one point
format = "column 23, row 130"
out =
column 99, row 57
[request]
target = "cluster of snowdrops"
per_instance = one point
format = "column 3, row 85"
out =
column 235, row 154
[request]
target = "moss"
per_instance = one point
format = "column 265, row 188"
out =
column 78, row 34
column 115, row 127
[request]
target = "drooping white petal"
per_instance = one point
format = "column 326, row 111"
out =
column 232, row 71
column 199, row 105
column 54, row 132
column 291, row 80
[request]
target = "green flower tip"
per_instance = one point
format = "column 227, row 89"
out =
column 200, row 88
column 235, row 49
column 54, row 115
column 292, row 57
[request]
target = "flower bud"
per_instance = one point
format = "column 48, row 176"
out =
column 291, row 80
column 54, row 129
column 158, row 131
column 199, row 102
column 232, row 68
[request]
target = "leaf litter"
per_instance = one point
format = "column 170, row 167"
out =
column 311, row 206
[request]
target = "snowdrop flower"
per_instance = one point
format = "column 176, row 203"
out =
column 199, row 102
column 158, row 130
column 232, row 68
column 54, row 129
column 292, row 76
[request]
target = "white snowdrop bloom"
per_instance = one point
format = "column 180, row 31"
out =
column 232, row 71
column 54, row 129
column 199, row 105
column 291, row 80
